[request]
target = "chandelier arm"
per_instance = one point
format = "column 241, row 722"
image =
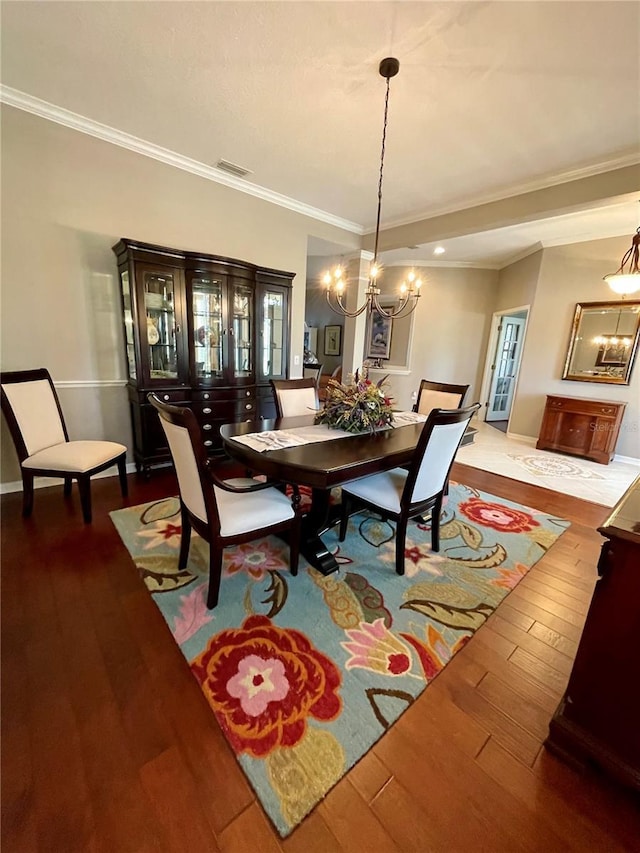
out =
column 400, row 311
column 341, row 310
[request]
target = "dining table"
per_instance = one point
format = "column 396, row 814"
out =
column 297, row 451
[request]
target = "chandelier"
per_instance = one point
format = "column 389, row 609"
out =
column 410, row 289
column 625, row 282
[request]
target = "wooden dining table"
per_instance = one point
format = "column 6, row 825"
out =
column 321, row 466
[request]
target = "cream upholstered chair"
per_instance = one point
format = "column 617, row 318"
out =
column 439, row 395
column 223, row 512
column 295, row 397
column 403, row 494
column 32, row 409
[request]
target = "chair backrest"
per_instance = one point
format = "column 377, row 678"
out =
column 436, row 449
column 312, row 371
column 295, row 397
column 439, row 395
column 32, row 409
column 189, row 458
column 337, row 373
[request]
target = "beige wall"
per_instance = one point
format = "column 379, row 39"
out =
column 450, row 331
column 518, row 282
column 567, row 275
column 66, row 199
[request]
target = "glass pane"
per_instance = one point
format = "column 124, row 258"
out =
column 242, row 330
column 207, row 326
column 273, row 334
column 128, row 324
column 159, row 292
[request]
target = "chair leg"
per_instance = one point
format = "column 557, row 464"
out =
column 122, row 474
column 185, row 538
column 344, row 515
column 68, row 481
column 435, row 524
column 401, row 539
column 215, row 571
column 84, row 486
column 27, row 493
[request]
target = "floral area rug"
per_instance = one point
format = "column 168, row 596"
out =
column 304, row 674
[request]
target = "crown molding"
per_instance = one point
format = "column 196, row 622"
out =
column 475, row 265
column 51, row 112
column 631, row 159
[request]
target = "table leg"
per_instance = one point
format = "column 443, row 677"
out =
column 316, row 520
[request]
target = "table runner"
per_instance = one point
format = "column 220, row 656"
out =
column 281, row 439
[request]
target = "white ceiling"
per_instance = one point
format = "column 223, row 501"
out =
column 491, row 98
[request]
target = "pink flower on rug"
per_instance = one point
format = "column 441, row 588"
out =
column 193, row 614
column 498, row 516
column 375, row 648
column 256, row 558
column 258, row 682
column 161, row 533
column 264, row 682
column 510, row 577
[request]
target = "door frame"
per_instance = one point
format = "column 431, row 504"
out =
column 491, row 354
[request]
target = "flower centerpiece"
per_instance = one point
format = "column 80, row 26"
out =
column 357, row 406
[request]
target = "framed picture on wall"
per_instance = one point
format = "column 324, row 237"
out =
column 332, row 340
column 378, row 337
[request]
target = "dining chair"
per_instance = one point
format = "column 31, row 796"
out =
column 295, row 397
column 401, row 494
column 223, row 511
column 312, row 371
column 36, row 423
column 439, row 395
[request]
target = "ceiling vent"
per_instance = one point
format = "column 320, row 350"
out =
column 232, row 169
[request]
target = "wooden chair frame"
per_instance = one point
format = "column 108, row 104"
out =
column 278, row 385
column 210, row 530
column 446, row 387
column 409, row 509
column 28, row 474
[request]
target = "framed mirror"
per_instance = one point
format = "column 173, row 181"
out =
column 604, row 342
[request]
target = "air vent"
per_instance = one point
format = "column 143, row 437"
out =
column 232, row 169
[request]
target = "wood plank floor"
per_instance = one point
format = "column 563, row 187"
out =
column 109, row 745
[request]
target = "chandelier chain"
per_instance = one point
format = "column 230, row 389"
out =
column 384, row 142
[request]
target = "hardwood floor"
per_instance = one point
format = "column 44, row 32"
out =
column 109, row 745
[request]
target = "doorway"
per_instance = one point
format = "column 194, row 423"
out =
column 503, row 364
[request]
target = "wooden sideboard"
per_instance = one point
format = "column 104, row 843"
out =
column 581, row 426
column 597, row 720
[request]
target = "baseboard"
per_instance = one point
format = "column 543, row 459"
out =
column 523, row 439
column 628, row 460
column 45, row 482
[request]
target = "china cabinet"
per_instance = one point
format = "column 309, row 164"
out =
column 202, row 331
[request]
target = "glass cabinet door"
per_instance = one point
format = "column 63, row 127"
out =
column 272, row 342
column 241, row 330
column 129, row 340
column 208, row 328
column 159, row 292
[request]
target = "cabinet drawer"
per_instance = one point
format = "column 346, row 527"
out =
column 214, row 394
column 587, row 407
column 176, row 397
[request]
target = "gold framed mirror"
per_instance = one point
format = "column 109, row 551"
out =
column 604, row 342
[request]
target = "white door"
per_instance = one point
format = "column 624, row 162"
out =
column 505, row 368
